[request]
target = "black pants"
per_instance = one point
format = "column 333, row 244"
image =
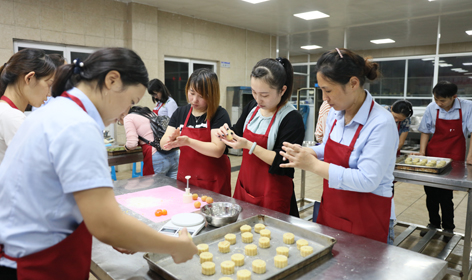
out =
column 436, row 197
column 293, row 206
column 7, row 273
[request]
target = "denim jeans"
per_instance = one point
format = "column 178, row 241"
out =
column 391, row 232
column 166, row 164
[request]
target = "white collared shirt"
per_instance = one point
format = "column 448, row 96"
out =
column 57, row 151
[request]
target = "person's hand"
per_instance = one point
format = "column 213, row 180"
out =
column 185, row 249
column 124, row 251
column 417, row 154
column 174, row 135
column 223, row 131
column 298, row 156
column 178, row 142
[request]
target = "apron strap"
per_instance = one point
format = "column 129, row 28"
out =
column 8, row 100
column 75, row 99
column 270, row 124
column 188, row 116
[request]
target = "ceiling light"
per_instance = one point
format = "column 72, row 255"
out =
column 311, row 15
column 468, row 74
column 255, row 1
column 467, row 63
column 311, row 47
column 469, row 32
column 445, row 65
column 382, row 41
column 427, row 59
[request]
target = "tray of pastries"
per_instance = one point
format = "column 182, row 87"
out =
column 426, row 164
column 260, row 247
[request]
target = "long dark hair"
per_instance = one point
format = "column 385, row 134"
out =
column 140, row 110
column 23, row 62
column 156, row 86
column 96, row 67
column 339, row 65
column 403, row 107
column 277, row 73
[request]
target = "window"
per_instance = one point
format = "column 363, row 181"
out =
column 391, row 82
column 69, row 52
column 459, row 72
column 177, row 71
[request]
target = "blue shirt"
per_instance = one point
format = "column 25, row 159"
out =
column 372, row 161
column 404, row 125
column 57, row 151
column 428, row 122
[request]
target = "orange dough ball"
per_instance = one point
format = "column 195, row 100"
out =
column 158, row 213
column 209, row 200
column 204, row 198
column 195, row 196
column 197, row 204
column 164, row 212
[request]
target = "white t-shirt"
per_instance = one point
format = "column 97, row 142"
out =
column 10, row 121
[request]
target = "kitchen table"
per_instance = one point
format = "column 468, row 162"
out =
column 353, row 257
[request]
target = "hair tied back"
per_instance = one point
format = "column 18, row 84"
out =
column 78, row 65
column 279, row 59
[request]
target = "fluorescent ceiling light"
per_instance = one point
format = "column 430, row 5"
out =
column 467, row 63
column 382, row 41
column 469, row 32
column 311, row 47
column 427, row 59
column 255, row 1
column 468, row 74
column 311, row 15
column 456, row 69
column 445, row 65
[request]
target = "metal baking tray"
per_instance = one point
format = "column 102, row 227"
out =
column 322, row 245
column 400, row 164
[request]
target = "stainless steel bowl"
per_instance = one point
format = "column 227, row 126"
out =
column 219, row 214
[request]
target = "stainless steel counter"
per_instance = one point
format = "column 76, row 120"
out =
column 354, row 257
column 457, row 177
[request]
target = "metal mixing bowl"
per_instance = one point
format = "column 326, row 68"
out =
column 219, row 214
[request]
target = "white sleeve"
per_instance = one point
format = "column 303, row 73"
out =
column 11, row 125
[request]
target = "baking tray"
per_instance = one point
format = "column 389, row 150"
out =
column 400, row 164
column 322, row 245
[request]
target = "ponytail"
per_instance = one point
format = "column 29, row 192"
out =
column 96, row 67
column 23, row 62
column 277, row 73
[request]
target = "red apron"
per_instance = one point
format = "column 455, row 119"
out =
column 364, row 214
column 156, row 111
column 68, row 259
column 210, row 173
column 148, row 167
column 448, row 139
column 255, row 184
column 7, row 100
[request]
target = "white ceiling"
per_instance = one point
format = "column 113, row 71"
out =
column 408, row 22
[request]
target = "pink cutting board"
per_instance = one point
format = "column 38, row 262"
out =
column 147, row 202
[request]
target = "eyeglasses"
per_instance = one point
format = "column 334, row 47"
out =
column 339, row 52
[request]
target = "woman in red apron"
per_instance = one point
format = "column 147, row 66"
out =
column 166, row 105
column 202, row 154
column 66, row 193
column 25, row 79
column 359, row 152
column 448, row 141
column 266, row 122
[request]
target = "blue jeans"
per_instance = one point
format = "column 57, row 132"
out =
column 166, row 164
column 391, row 233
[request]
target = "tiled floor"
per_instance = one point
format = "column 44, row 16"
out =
column 410, row 207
